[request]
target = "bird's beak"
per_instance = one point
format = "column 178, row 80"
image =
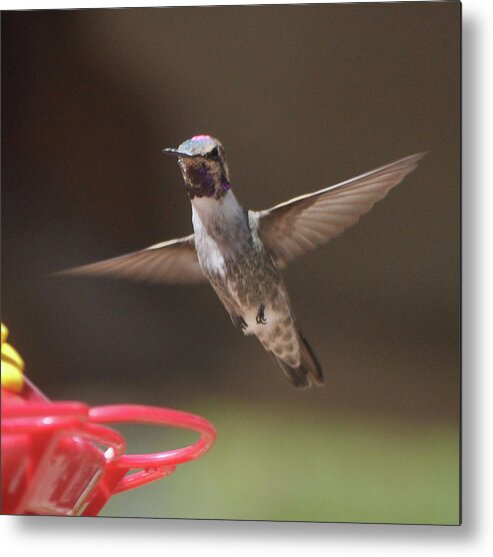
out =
column 176, row 153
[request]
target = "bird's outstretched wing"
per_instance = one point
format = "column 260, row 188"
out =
column 171, row 262
column 303, row 223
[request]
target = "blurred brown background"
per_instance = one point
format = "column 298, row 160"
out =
column 302, row 97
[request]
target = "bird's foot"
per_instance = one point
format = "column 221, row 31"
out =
column 240, row 322
column 261, row 320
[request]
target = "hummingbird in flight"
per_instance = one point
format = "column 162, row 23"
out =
column 241, row 252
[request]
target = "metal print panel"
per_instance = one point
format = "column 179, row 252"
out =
column 231, row 262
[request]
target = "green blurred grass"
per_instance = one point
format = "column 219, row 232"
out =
column 282, row 465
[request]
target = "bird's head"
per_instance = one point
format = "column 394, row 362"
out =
column 203, row 166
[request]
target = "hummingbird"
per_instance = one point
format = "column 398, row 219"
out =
column 241, row 252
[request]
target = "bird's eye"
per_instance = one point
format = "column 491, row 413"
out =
column 214, row 153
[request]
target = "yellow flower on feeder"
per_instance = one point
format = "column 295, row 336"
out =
column 12, row 365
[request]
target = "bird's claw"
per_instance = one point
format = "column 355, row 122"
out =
column 242, row 324
column 261, row 316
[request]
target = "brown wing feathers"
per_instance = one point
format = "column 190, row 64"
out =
column 169, row 262
column 303, row 223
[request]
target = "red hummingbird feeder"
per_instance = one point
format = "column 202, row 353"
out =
column 61, row 458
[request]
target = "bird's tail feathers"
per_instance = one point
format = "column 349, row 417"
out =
column 309, row 371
